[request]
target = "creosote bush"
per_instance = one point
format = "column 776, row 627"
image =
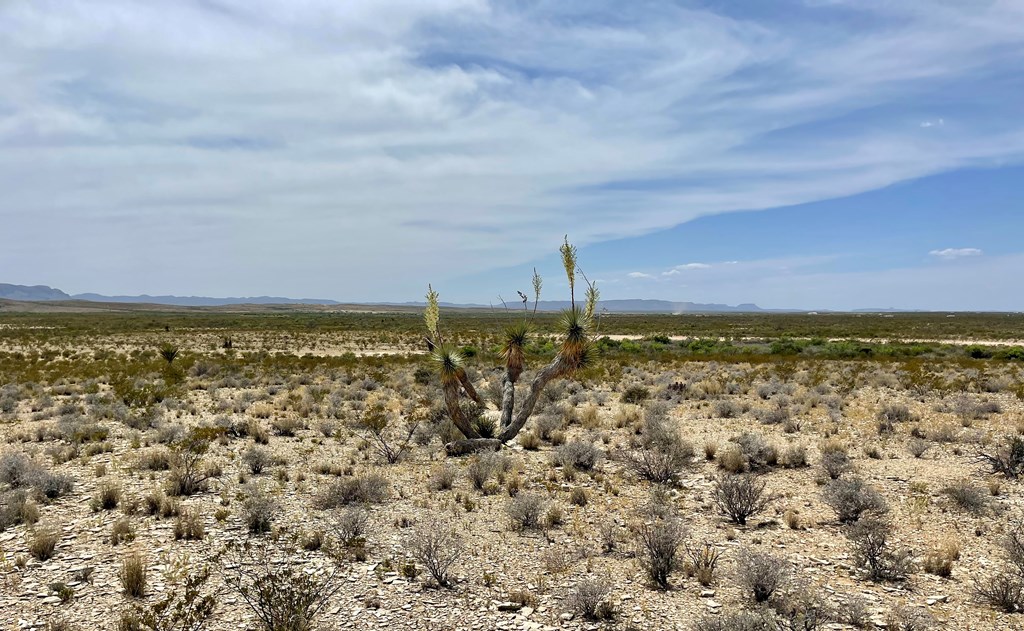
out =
column 658, row 541
column 967, row 497
column 1006, row 457
column 853, row 497
column 438, row 546
column 589, row 599
column 834, row 460
column 189, row 472
column 578, row 454
column 659, row 454
column 740, row 496
column 257, row 459
column 283, row 596
column 525, row 511
column 369, row 489
column 761, row 574
column 258, row 510
column 188, row 609
column 871, row 538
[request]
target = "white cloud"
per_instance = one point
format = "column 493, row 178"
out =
column 359, row 149
column 679, row 269
column 955, row 253
column 639, row 275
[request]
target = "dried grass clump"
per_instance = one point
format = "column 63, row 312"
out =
column 133, row 575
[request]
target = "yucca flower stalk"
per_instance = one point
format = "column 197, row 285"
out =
column 432, row 316
column 569, row 263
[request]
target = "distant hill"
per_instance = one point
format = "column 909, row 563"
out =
column 31, row 292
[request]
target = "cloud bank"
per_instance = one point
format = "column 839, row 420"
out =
column 358, row 149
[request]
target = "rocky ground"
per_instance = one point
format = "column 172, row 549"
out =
column 508, row 578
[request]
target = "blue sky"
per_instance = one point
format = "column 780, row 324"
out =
column 806, row 153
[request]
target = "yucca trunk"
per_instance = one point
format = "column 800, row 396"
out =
column 558, row 367
column 508, row 400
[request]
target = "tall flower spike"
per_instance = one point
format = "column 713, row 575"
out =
column 569, row 262
column 538, row 282
column 593, row 295
column 432, row 314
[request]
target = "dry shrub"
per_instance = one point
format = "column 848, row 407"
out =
column 369, row 489
column 872, row 550
column 589, row 599
column 731, row 459
column 121, row 531
column 852, row 498
column 659, row 454
column 906, row 618
column 443, row 477
column 702, row 562
column 189, row 525
column 438, row 546
column 258, row 510
column 658, row 542
column 761, row 574
column 740, row 496
column 967, row 497
column 525, row 511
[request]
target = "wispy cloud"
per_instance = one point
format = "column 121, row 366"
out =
column 955, row 253
column 414, row 139
column 639, row 275
column 977, row 282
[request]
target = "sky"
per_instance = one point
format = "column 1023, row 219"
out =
column 815, row 154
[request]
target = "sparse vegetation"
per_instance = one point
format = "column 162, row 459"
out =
column 276, row 434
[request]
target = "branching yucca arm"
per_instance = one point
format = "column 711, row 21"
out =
column 467, row 385
column 558, row 367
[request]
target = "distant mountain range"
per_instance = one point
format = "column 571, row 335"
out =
column 42, row 293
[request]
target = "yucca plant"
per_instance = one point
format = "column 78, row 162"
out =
column 575, row 352
column 169, row 353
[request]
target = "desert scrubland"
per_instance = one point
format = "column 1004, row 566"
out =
column 287, row 470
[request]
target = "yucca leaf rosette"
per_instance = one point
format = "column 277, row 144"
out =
column 516, row 336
